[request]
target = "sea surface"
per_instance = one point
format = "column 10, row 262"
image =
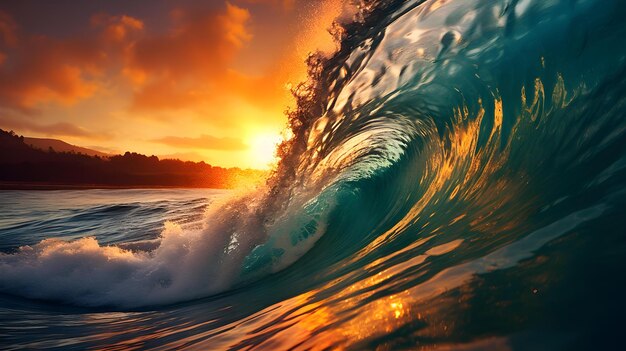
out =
column 455, row 180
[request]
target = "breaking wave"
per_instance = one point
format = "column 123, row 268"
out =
column 484, row 128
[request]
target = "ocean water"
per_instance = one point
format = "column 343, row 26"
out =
column 456, row 180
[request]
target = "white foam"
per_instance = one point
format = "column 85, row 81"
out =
column 186, row 265
column 182, row 265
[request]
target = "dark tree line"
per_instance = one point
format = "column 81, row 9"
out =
column 22, row 163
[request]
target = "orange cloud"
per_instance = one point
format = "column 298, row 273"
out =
column 207, row 142
column 42, row 69
column 184, row 66
column 46, row 70
column 188, row 62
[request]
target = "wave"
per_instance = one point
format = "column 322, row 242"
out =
column 487, row 119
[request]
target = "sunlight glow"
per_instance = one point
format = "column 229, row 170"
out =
column 262, row 150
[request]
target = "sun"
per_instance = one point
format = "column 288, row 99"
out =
column 262, row 150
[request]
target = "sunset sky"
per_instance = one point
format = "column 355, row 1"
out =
column 196, row 80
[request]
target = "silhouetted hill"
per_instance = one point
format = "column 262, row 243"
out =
column 60, row 146
column 21, row 163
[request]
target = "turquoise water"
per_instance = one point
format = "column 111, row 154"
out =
column 456, row 180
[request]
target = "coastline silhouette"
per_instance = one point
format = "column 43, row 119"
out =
column 23, row 166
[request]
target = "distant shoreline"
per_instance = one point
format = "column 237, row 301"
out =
column 53, row 186
column 23, row 167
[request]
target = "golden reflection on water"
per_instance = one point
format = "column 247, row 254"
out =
column 458, row 170
column 359, row 312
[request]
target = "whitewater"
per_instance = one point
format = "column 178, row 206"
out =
column 456, row 179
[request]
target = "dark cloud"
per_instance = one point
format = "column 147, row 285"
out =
column 8, row 28
column 53, row 129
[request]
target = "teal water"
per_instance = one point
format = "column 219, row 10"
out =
column 456, row 180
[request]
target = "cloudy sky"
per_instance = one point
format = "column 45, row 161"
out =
column 198, row 80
